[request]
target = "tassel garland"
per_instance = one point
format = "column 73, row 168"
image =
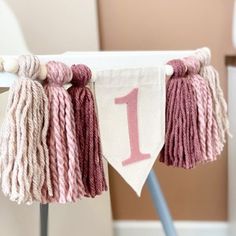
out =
column 50, row 145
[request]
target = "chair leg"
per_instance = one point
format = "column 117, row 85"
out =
column 161, row 205
column 43, row 219
column 158, row 200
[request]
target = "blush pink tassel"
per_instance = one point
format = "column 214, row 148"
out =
column 208, row 134
column 87, row 132
column 61, row 136
column 210, row 74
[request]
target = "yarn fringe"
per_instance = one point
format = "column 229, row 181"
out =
column 211, row 75
column 24, row 153
column 64, row 160
column 207, row 127
column 87, row 132
column 182, row 142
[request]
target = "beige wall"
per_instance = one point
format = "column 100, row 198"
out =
column 200, row 194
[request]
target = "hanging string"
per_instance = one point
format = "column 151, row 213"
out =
column 23, row 149
column 208, row 132
column 66, row 178
column 182, row 143
column 87, row 132
column 211, row 75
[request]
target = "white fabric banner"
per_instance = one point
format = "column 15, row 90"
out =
column 131, row 111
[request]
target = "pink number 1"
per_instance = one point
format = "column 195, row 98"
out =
column 131, row 101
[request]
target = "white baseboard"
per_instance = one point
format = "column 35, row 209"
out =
column 184, row 228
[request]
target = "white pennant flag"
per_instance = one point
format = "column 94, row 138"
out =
column 131, row 111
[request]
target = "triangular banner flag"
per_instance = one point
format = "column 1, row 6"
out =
column 131, row 108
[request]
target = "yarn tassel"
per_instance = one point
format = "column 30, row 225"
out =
column 66, row 177
column 87, row 132
column 24, row 153
column 207, row 128
column 210, row 74
column 182, row 145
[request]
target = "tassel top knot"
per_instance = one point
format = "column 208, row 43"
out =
column 81, row 75
column 58, row 73
column 193, row 65
column 204, row 56
column 29, row 66
column 179, row 68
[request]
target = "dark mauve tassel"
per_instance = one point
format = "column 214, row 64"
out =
column 182, row 146
column 87, row 132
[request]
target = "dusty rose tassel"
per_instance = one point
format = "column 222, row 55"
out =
column 87, row 132
column 66, row 179
column 182, row 145
column 24, row 153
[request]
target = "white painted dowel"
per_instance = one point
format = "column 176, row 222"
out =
column 99, row 61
